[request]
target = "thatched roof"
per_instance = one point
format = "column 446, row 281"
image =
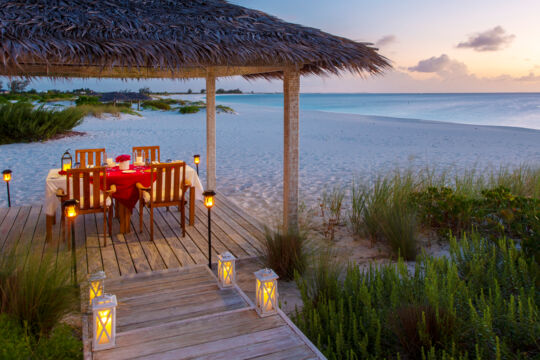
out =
column 123, row 96
column 166, row 38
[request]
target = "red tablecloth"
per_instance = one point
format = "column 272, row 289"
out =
column 126, row 191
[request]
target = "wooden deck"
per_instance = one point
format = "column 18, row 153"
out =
column 232, row 230
column 182, row 314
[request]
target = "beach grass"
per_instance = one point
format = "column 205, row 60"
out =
column 285, row 253
column 21, row 122
column 480, row 302
column 99, row 110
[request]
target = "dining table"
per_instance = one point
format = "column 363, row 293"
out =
column 126, row 195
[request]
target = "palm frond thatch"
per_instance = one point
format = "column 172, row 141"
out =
column 162, row 38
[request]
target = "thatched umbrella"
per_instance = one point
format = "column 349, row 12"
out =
column 178, row 39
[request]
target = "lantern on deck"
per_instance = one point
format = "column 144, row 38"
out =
column 7, row 175
column 70, row 208
column 209, row 198
column 197, row 160
column 226, row 270
column 266, row 292
column 96, row 283
column 67, row 161
column 104, row 321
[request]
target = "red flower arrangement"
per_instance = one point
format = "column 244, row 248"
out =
column 122, row 158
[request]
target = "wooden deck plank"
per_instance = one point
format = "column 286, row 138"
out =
column 192, row 242
column 219, row 239
column 8, row 223
column 27, row 234
column 235, row 232
column 250, row 233
column 110, row 263
column 3, row 213
column 174, row 242
column 93, row 250
column 249, row 220
column 137, row 254
column 16, row 230
column 123, row 256
column 148, row 246
column 167, row 254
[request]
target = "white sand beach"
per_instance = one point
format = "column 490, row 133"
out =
column 334, row 148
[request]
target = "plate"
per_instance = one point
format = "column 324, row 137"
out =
column 128, row 171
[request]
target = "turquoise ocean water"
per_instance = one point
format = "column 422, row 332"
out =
column 499, row 109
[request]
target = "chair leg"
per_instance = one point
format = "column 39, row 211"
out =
column 192, row 205
column 141, row 209
column 152, row 223
column 104, row 227
column 110, row 221
column 183, row 218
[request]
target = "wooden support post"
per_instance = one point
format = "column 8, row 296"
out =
column 210, row 130
column 291, row 90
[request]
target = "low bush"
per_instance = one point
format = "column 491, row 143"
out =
column 285, row 253
column 480, row 303
column 161, row 104
column 87, row 100
column 98, row 110
column 189, row 109
column 21, row 122
column 17, row 343
column 497, row 212
column 36, row 291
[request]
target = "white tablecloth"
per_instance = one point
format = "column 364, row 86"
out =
column 55, row 181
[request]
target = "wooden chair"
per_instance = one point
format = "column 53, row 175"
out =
column 168, row 189
column 147, row 152
column 85, row 186
column 93, row 157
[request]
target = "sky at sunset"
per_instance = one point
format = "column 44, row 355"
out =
column 434, row 46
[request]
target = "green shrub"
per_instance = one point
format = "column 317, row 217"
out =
column 480, row 303
column 398, row 225
column 36, row 291
column 16, row 343
column 285, row 253
column 225, row 109
column 98, row 110
column 160, row 104
column 21, row 122
column 189, row 109
column 87, row 100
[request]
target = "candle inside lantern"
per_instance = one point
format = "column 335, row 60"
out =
column 104, row 325
column 66, row 166
column 110, row 161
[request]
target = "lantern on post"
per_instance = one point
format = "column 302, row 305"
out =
column 67, row 160
column 70, row 211
column 266, row 292
column 197, row 160
column 96, row 284
column 226, row 270
column 209, row 202
column 104, row 321
column 6, row 174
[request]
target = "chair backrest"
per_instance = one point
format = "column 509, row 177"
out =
column 94, row 157
column 147, row 152
column 86, row 186
column 169, row 184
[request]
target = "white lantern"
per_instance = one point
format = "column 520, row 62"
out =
column 96, row 284
column 226, row 270
column 266, row 292
column 104, row 315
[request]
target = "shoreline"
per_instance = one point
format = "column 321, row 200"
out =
column 334, row 148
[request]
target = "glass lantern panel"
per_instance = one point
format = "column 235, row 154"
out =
column 104, row 326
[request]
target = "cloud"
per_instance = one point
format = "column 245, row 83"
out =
column 442, row 65
column 489, row 40
column 531, row 77
column 385, row 40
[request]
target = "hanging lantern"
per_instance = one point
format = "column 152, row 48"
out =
column 196, row 159
column 7, row 175
column 226, row 270
column 70, row 208
column 67, row 161
column 266, row 292
column 96, row 283
column 104, row 315
column 209, row 198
